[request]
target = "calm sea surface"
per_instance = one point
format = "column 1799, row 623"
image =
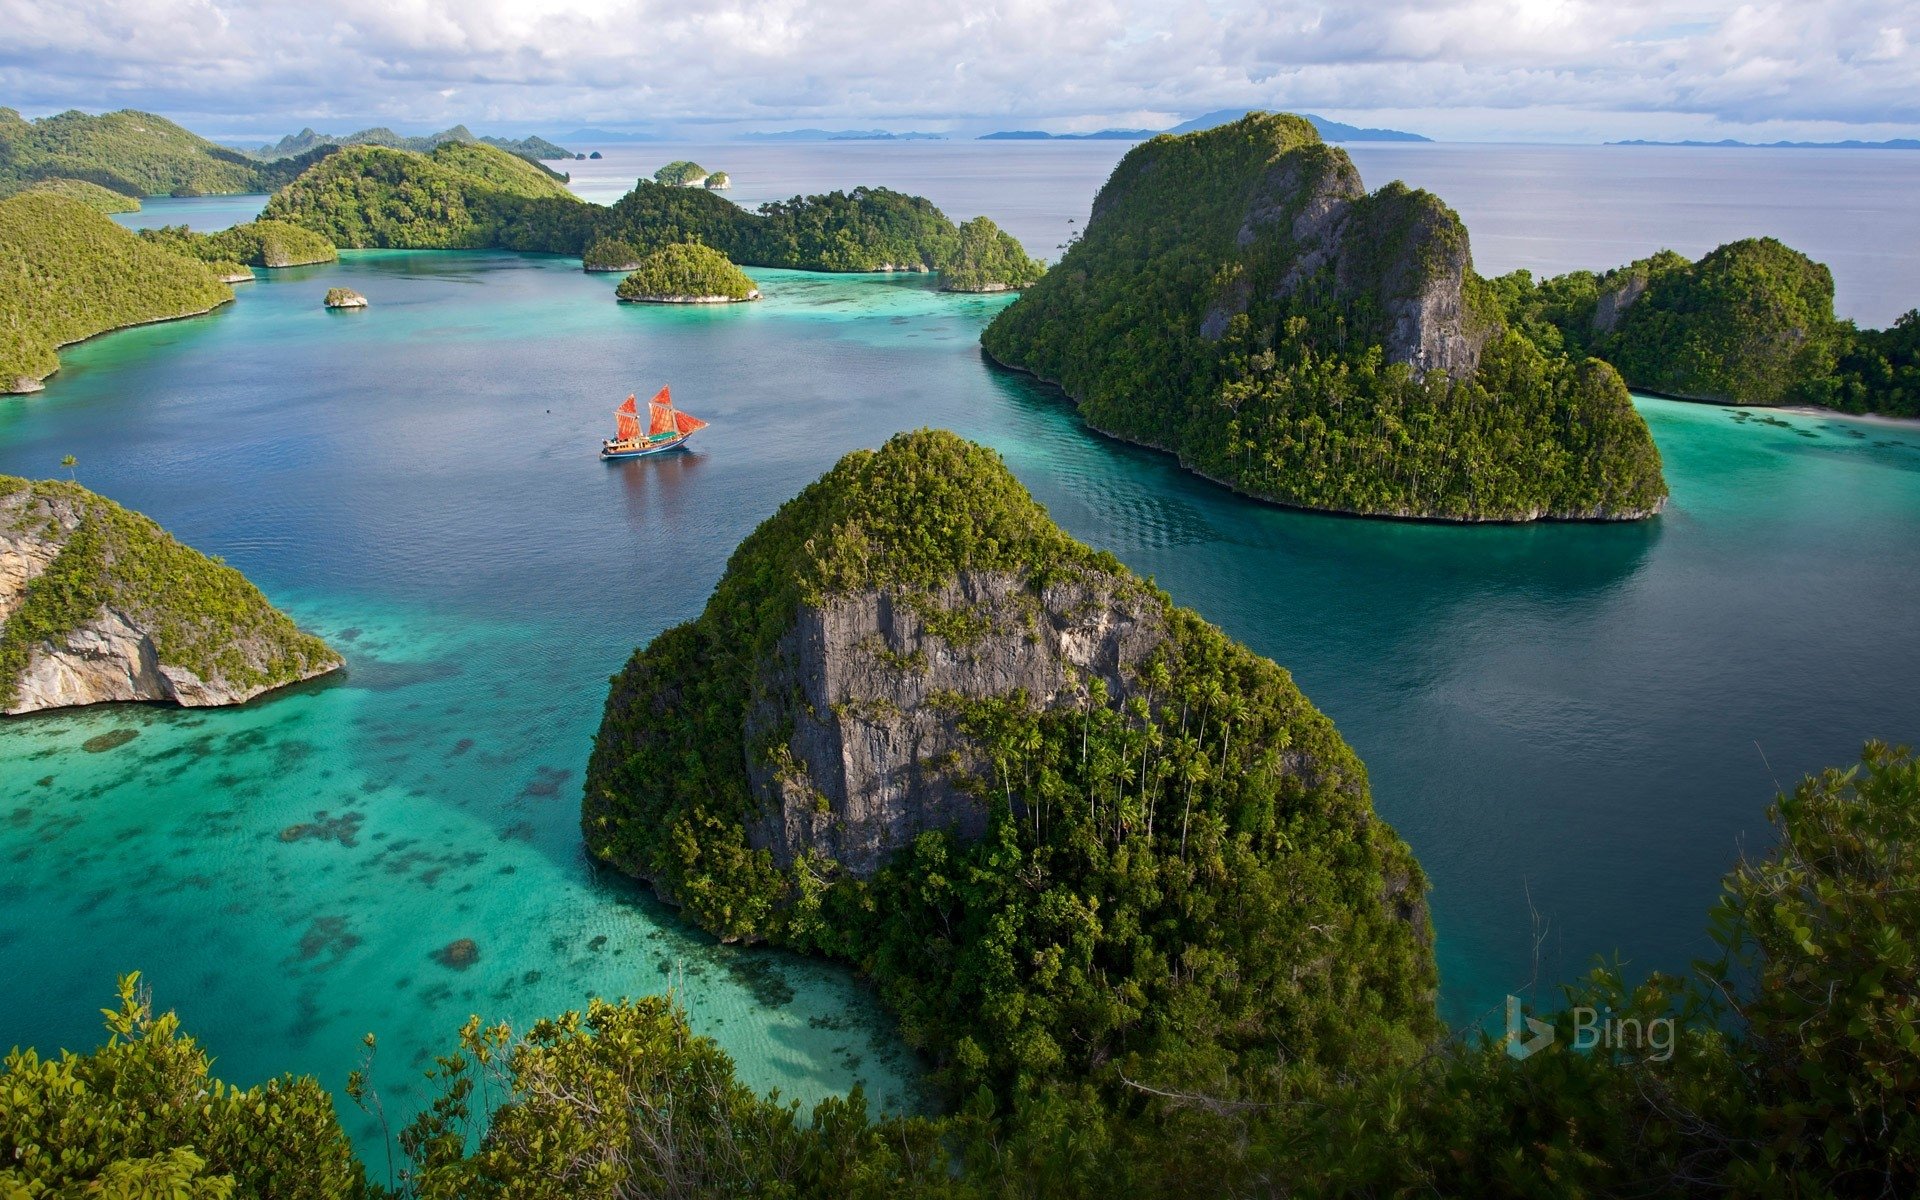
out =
column 1577, row 728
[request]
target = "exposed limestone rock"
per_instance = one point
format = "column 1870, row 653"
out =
column 107, row 634
column 345, row 298
column 1614, row 304
column 865, row 688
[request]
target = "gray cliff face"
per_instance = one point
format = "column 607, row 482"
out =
column 1614, row 304
column 860, row 749
column 1402, row 251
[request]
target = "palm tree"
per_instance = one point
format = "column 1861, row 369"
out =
column 70, row 462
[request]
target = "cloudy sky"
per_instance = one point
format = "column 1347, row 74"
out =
column 1556, row 70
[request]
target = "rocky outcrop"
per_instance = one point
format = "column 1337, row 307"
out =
column 344, row 298
column 860, row 704
column 1614, row 303
column 104, row 634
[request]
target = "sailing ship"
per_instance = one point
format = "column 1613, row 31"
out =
column 667, row 428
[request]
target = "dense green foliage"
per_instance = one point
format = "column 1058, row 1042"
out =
column 1877, row 371
column 200, row 614
column 1791, row 1069
column 141, row 1118
column 68, row 273
column 718, row 179
column 462, row 196
column 134, row 153
column 469, row 197
column 680, row 173
column 260, row 243
column 1204, row 312
column 611, row 254
column 1750, row 323
column 1160, row 860
column 686, row 270
column 98, row 198
column 987, row 258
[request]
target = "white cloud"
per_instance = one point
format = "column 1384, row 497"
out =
column 1633, row 64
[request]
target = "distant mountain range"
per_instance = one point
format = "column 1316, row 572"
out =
column 1332, row 131
column 839, row 135
column 1850, row 144
column 299, row 143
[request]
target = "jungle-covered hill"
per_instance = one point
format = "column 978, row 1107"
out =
column 1240, row 299
column 67, row 272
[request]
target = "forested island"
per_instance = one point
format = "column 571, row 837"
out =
column 686, row 273
column 98, row 604
column 295, row 144
column 1131, row 901
column 471, row 197
column 67, row 272
column 1239, row 299
column 909, row 692
column 1750, row 323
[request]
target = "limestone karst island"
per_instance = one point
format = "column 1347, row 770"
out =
column 842, row 603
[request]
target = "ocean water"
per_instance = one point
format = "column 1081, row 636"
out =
column 1577, row 728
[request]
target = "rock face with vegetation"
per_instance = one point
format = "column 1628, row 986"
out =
column 1752, row 322
column 343, row 298
column 915, row 711
column 1241, row 300
column 133, row 153
column 67, row 273
column 99, row 604
column 988, row 259
column 686, row 273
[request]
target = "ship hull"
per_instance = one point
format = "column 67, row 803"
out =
column 611, row 455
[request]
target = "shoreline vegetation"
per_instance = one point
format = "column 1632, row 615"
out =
column 686, row 273
column 69, row 273
column 1751, row 323
column 475, row 197
column 100, row 604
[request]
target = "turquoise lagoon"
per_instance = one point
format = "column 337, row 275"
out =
column 1578, row 728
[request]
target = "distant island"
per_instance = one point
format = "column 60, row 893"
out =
column 686, row 173
column 1331, row 131
column 1849, row 144
column 838, row 135
column 1238, row 298
column 307, row 139
column 98, row 604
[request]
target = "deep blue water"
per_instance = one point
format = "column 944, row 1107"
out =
column 1575, row 727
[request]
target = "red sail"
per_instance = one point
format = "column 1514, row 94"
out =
column 627, row 420
column 685, row 423
column 660, row 411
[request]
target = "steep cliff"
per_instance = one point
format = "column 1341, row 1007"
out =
column 1241, row 300
column 920, row 728
column 98, row 604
